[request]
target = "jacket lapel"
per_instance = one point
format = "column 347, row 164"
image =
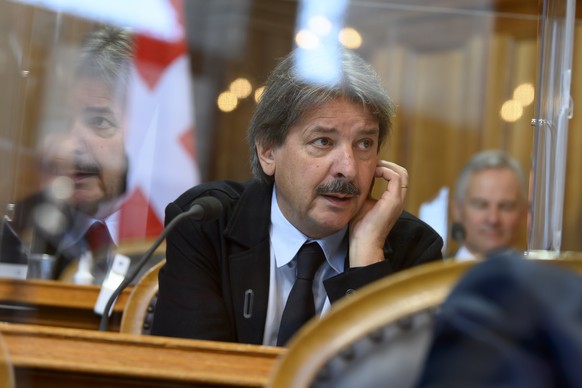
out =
column 249, row 260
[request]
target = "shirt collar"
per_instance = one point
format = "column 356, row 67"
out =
column 81, row 224
column 286, row 240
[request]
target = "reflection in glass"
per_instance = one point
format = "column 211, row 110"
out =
column 102, row 137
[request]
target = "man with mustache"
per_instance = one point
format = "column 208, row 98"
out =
column 314, row 155
column 85, row 164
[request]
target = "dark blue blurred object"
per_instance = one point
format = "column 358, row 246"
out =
column 509, row 322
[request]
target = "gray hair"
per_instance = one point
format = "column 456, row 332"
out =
column 486, row 160
column 106, row 55
column 288, row 97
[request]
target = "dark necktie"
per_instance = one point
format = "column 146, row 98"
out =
column 100, row 243
column 300, row 306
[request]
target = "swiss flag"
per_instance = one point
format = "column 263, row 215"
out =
column 160, row 138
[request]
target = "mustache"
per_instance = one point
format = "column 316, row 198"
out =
column 85, row 167
column 338, row 186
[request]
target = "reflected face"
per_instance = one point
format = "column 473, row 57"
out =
column 492, row 211
column 91, row 152
column 324, row 170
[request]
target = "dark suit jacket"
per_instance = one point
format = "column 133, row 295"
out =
column 40, row 240
column 212, row 267
column 509, row 322
column 36, row 239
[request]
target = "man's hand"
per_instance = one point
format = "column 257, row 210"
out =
column 370, row 227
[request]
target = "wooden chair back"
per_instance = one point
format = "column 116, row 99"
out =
column 138, row 313
column 384, row 329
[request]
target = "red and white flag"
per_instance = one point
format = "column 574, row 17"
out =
column 160, row 138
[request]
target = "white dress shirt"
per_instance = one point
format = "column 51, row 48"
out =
column 464, row 254
column 286, row 240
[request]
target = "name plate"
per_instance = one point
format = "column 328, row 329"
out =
column 13, row 271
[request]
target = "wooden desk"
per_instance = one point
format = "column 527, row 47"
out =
column 59, row 357
column 53, row 303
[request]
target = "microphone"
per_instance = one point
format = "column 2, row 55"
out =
column 458, row 232
column 203, row 209
column 10, row 244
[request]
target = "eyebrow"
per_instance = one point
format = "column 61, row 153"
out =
column 371, row 131
column 99, row 110
column 367, row 131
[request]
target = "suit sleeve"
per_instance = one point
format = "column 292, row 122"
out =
column 190, row 284
column 410, row 243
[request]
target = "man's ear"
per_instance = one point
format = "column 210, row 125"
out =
column 266, row 158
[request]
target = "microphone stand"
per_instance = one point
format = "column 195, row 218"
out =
column 104, row 323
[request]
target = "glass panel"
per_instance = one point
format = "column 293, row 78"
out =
column 452, row 67
column 551, row 124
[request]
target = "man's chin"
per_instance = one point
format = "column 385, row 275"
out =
column 86, row 204
column 329, row 225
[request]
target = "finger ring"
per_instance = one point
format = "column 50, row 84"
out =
column 403, row 187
